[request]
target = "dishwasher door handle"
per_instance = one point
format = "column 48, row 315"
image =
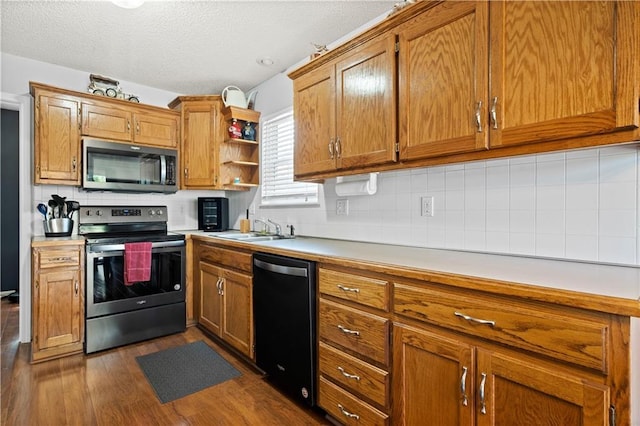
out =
column 280, row 269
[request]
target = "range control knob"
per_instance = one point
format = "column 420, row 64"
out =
column 98, row 212
column 151, row 213
column 159, row 212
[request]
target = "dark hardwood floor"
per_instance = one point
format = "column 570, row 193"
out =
column 109, row 388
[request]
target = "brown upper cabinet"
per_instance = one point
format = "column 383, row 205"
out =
column 478, row 80
column 105, row 121
column 62, row 117
column 210, row 159
column 201, row 127
column 56, row 138
column 345, row 111
column 443, row 76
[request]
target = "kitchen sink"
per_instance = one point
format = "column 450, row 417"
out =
column 251, row 236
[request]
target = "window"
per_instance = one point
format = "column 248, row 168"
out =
column 278, row 187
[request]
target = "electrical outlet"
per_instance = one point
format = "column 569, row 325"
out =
column 426, row 206
column 342, row 207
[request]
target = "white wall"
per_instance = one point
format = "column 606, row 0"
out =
column 576, row 205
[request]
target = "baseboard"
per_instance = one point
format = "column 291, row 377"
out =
column 6, row 293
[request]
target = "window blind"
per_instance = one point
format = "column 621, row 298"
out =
column 278, row 187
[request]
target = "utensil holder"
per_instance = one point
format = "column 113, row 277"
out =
column 60, row 227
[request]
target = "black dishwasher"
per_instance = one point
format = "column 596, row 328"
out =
column 284, row 313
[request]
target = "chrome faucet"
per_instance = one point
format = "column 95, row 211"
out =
column 278, row 227
column 265, row 225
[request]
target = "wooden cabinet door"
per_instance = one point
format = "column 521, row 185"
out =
column 366, row 105
column 443, row 76
column 57, row 140
column 210, row 298
column 433, row 379
column 562, row 69
column 314, row 118
column 59, row 305
column 520, row 393
column 199, row 145
column 237, row 311
column 107, row 122
column 156, row 129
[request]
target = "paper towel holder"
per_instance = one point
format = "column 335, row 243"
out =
column 357, row 185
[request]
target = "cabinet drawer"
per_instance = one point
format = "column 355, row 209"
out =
column 359, row 289
column 58, row 258
column 353, row 374
column 560, row 334
column 346, row 408
column 232, row 258
column 359, row 331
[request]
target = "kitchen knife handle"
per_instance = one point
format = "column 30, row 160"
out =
column 476, row 320
column 479, row 116
column 347, row 331
column 494, row 112
column 352, row 289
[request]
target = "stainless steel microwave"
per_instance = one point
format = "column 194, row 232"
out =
column 124, row 167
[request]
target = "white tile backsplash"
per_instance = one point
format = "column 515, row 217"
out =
column 580, row 205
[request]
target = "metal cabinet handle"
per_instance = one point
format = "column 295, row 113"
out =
column 74, row 164
column 186, row 172
column 348, row 414
column 77, row 287
column 463, row 387
column 62, row 259
column 347, row 331
column 347, row 375
column 221, row 286
column 494, row 112
column 483, row 404
column 128, row 125
column 338, row 148
column 352, row 289
column 331, row 143
column 137, row 127
column 479, row 116
column 476, row 320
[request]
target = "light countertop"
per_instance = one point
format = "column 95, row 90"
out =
column 529, row 273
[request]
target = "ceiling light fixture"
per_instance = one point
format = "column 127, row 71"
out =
column 128, row 4
column 267, row 62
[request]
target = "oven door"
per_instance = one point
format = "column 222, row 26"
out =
column 106, row 292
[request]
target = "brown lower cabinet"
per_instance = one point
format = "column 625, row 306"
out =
column 464, row 357
column 453, row 382
column 223, row 300
column 57, row 304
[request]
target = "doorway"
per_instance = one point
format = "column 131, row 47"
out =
column 9, row 206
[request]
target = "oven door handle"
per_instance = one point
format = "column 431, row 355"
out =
column 93, row 248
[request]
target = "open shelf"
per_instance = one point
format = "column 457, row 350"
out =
column 234, row 140
column 241, row 163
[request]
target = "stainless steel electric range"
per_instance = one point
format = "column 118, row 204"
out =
column 119, row 313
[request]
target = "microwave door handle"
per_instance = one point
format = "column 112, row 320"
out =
column 163, row 170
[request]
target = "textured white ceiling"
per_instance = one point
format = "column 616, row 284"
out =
column 187, row 47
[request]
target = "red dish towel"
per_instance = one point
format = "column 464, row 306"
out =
column 137, row 262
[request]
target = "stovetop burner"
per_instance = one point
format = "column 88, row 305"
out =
column 120, row 224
